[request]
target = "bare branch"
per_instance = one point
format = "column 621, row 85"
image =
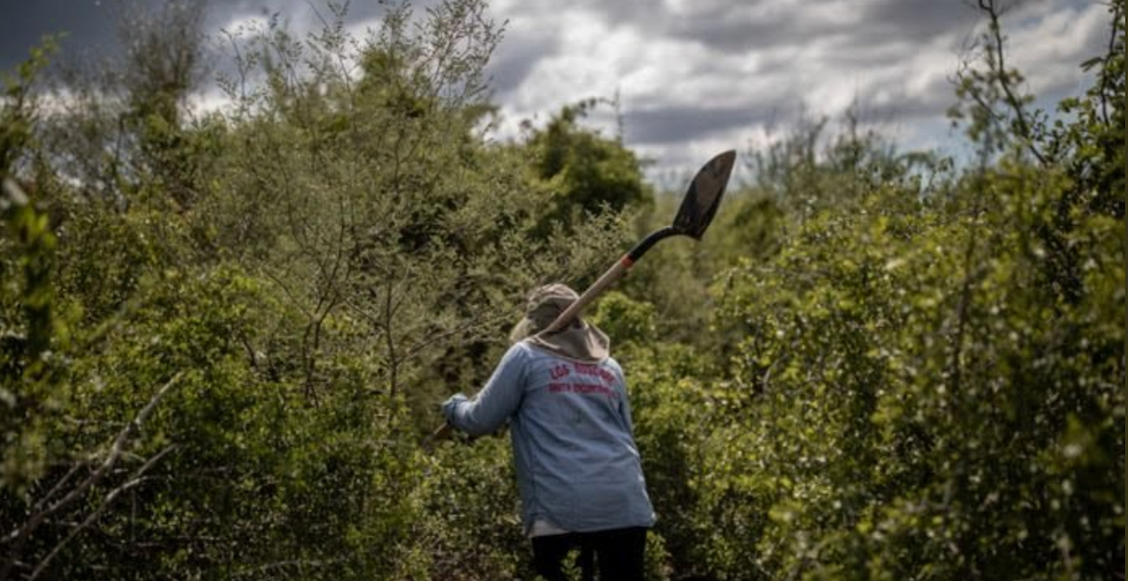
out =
column 133, row 481
column 20, row 534
column 1117, row 15
column 58, row 486
column 430, row 340
column 993, row 13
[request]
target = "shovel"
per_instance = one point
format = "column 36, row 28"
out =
column 696, row 212
column 694, row 216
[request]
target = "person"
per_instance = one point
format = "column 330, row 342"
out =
column 579, row 472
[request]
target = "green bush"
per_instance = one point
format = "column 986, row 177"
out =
column 222, row 347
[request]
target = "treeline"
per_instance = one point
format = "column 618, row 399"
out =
column 224, row 336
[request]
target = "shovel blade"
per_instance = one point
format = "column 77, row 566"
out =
column 704, row 196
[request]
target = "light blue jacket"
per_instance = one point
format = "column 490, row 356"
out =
column 573, row 443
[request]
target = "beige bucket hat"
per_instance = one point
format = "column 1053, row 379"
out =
column 581, row 340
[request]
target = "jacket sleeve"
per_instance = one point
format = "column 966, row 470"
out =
column 497, row 401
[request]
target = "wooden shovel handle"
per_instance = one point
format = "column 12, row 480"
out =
column 442, row 432
column 614, row 273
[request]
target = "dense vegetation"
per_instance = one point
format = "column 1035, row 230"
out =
column 224, row 336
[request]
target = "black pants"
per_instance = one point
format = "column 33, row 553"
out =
column 618, row 554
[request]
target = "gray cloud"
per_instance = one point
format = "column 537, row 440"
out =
column 88, row 24
column 916, row 20
column 690, row 71
column 676, row 124
column 517, row 56
column 750, row 25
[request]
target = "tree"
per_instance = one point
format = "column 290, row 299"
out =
column 587, row 174
column 353, row 236
column 921, row 383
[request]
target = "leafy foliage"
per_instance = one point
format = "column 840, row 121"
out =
column 224, row 336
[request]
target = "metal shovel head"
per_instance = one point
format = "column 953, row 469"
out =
column 704, row 196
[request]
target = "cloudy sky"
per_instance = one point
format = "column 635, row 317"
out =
column 695, row 77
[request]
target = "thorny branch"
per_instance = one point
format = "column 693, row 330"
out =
column 18, row 536
column 133, row 481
